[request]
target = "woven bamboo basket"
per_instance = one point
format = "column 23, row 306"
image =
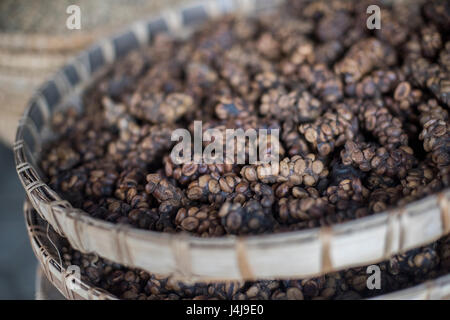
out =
column 45, row 252
column 286, row 255
column 35, row 43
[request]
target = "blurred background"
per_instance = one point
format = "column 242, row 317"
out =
column 34, row 43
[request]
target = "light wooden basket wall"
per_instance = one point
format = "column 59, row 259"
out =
column 58, row 276
column 32, row 48
column 287, row 255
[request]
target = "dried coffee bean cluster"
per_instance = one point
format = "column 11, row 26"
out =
column 298, row 105
column 399, row 272
column 367, row 157
column 297, row 170
column 435, row 133
column 362, row 114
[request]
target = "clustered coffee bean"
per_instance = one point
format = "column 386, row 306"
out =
column 203, row 221
column 296, row 171
column 435, row 133
column 363, row 119
column 367, row 157
column 399, row 272
column 364, row 56
column 330, row 131
column 188, row 172
column 373, row 85
column 249, row 218
column 298, row 105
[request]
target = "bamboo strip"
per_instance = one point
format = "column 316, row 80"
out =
column 32, row 61
column 39, row 42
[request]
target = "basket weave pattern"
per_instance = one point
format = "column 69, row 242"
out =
column 288, row 255
column 52, row 268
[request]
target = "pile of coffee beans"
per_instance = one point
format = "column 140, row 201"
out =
column 363, row 119
column 399, row 272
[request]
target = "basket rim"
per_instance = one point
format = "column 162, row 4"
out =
column 438, row 288
column 63, row 217
column 51, row 268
